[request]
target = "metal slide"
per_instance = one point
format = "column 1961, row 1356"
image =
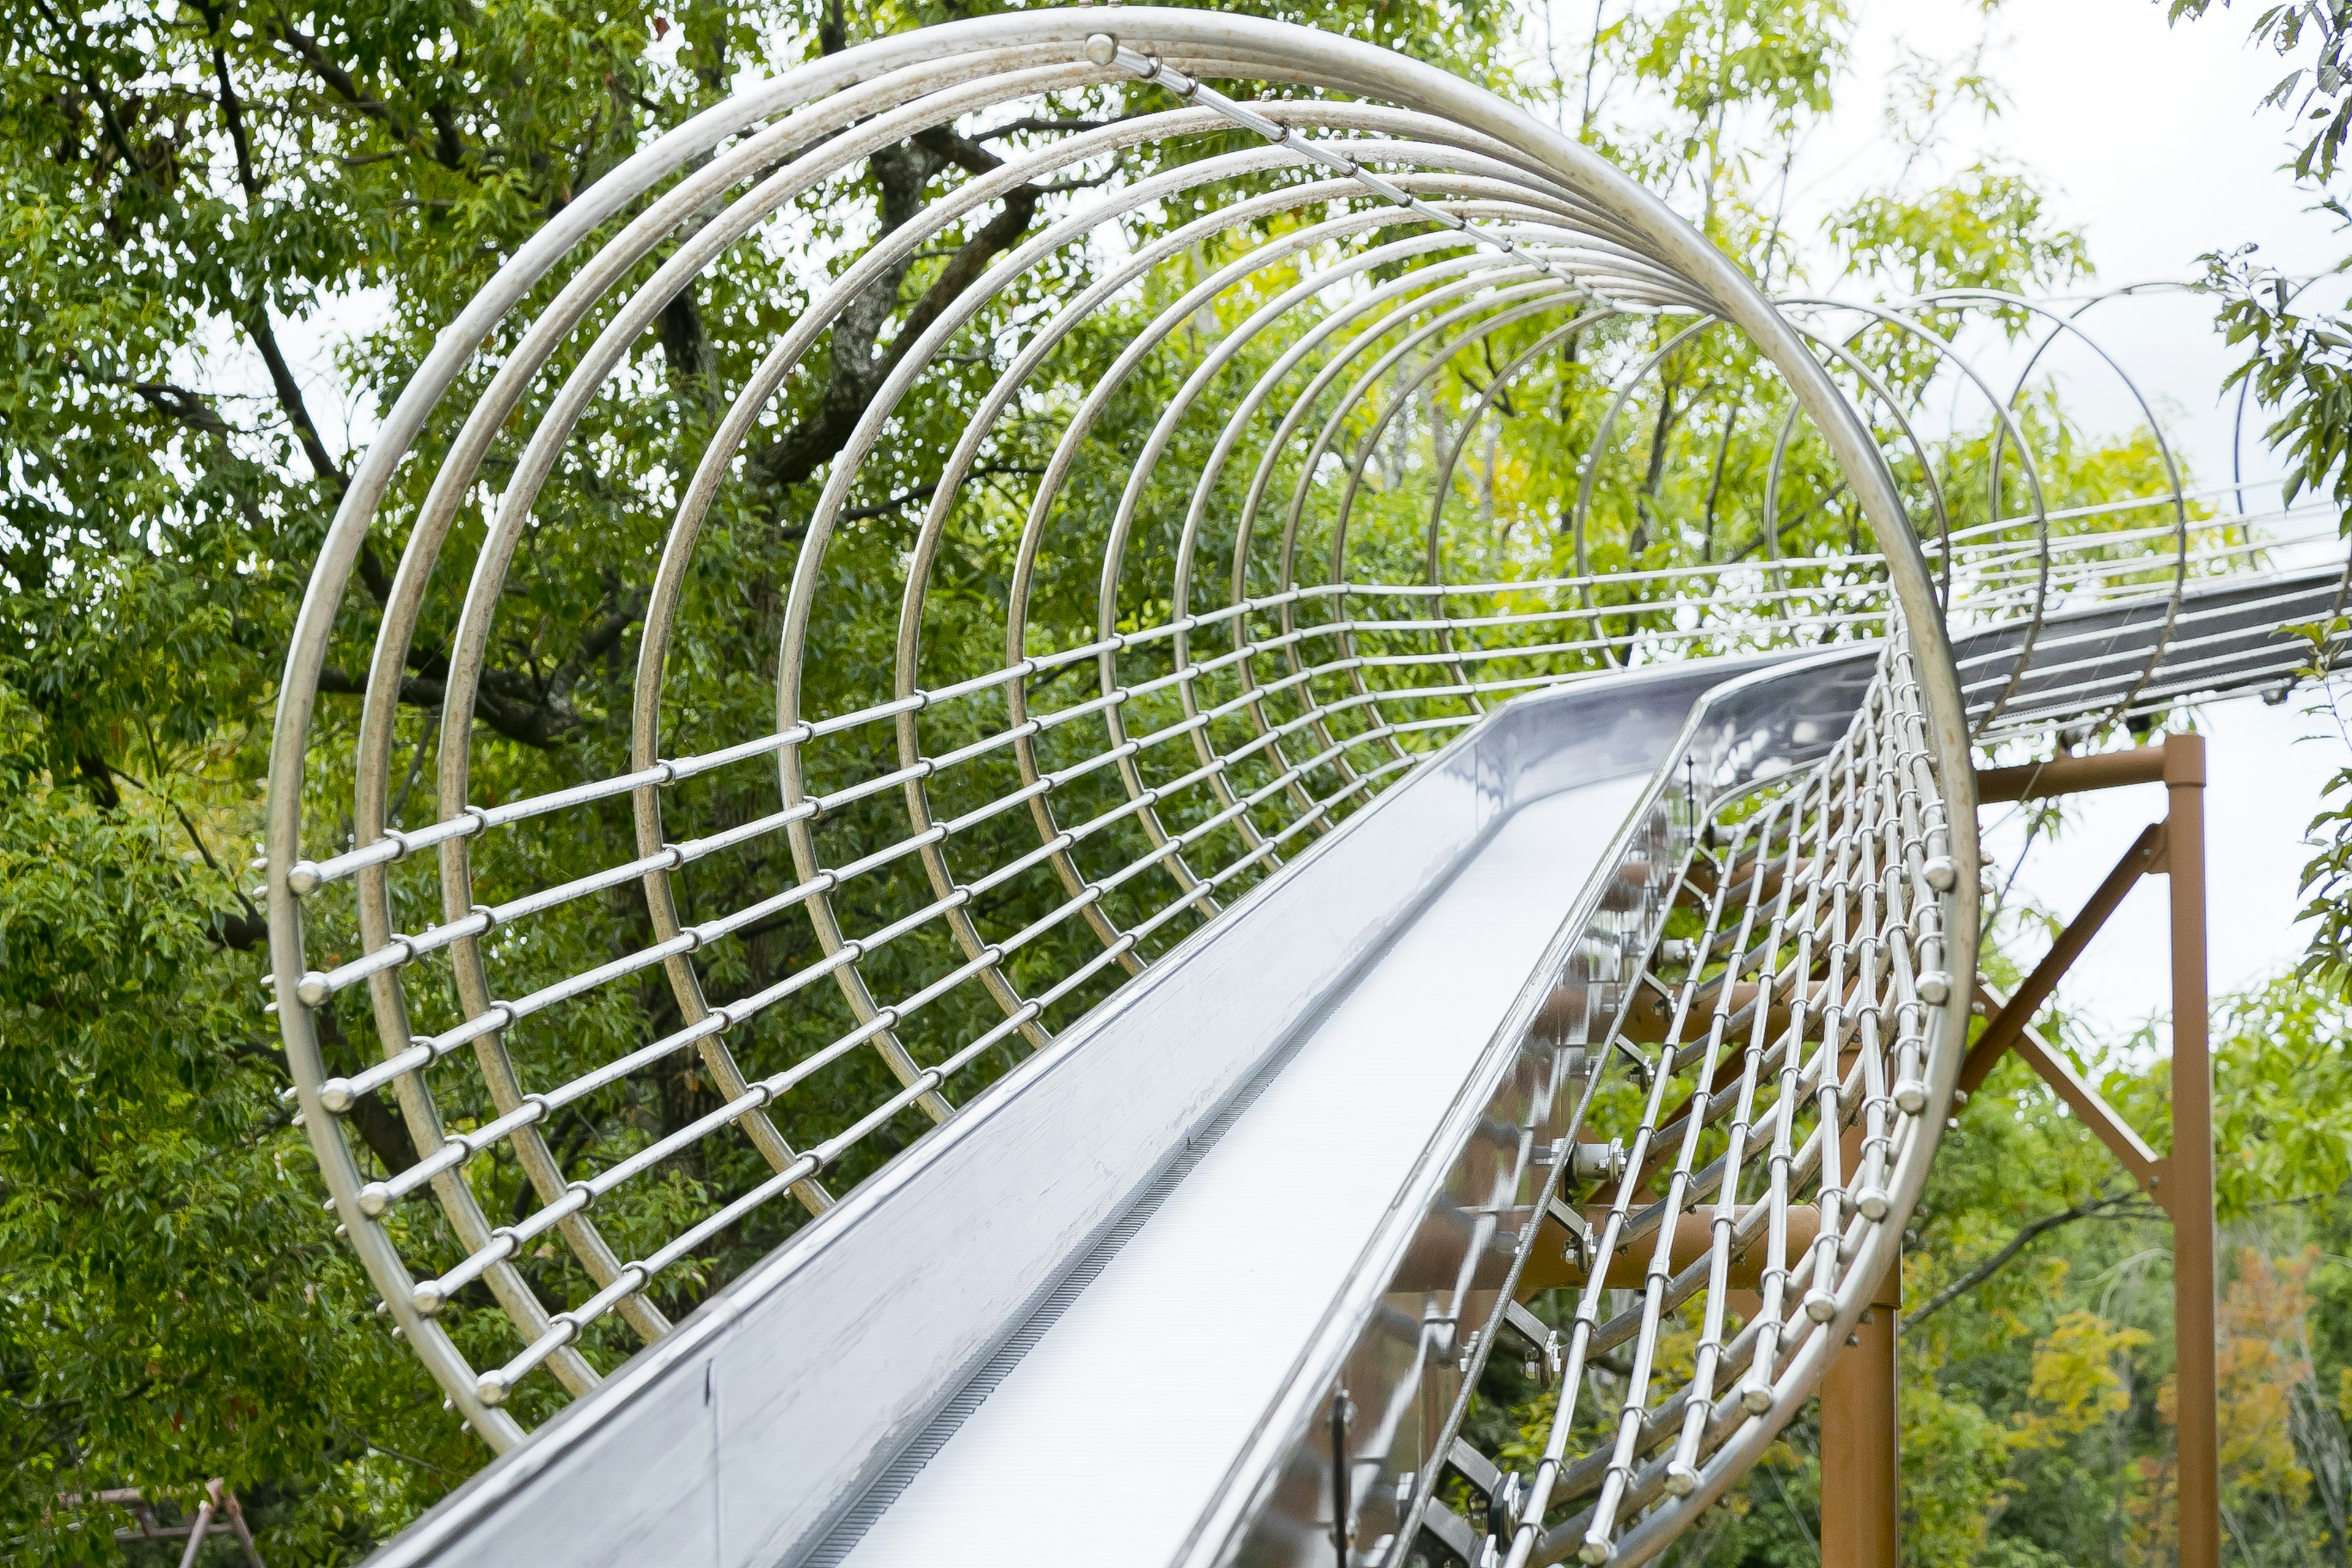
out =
column 1319, row 976
column 1316, row 1139
column 1320, row 1140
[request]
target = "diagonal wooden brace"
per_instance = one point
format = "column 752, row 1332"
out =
column 2057, row 1069
column 2009, row 1026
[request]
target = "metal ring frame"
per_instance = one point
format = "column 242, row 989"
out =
column 1357, row 246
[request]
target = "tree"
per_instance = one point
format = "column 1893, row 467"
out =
column 2038, row 1402
column 202, row 201
column 2298, row 366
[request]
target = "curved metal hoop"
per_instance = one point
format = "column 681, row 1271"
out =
column 960, row 852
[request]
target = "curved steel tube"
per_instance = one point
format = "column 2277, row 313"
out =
column 1362, row 246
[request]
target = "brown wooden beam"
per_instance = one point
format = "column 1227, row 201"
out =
column 1648, row 1015
column 1549, row 1266
column 2005, row 1029
column 2057, row 1069
column 2071, row 775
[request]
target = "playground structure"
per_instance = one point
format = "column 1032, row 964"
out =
column 1397, row 941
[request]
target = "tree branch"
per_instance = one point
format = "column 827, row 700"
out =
column 256, row 312
column 535, row 711
column 241, row 931
column 685, row 342
column 183, row 407
column 514, row 705
column 1042, row 122
column 380, row 1126
column 999, row 234
column 858, row 372
column 339, row 81
column 1801, row 516
column 924, row 493
column 101, row 777
column 109, row 118
column 2017, row 1244
column 254, row 318
column 447, row 148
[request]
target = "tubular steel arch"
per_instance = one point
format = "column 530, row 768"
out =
column 969, row 847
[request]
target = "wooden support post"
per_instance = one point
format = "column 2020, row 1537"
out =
column 1862, row 1478
column 2191, row 1166
column 1860, row 1433
column 2184, row 1182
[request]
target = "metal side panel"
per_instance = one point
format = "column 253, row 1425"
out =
column 742, row 1437
column 2223, row 636
column 1421, row 1304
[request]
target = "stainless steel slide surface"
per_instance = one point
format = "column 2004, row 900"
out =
column 1192, row 1327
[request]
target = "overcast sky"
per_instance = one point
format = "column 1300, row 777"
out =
column 2152, row 143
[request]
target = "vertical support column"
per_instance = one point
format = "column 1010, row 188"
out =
column 2188, row 1180
column 1861, row 1478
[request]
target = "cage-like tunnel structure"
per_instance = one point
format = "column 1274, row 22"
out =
column 1020, row 646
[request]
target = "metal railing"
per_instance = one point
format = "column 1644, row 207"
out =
column 1788, row 1078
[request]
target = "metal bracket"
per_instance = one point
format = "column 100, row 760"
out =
column 1542, row 1340
column 1475, row 1468
column 1451, row 1531
column 1580, row 1233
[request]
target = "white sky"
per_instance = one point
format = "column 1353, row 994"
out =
column 2152, row 141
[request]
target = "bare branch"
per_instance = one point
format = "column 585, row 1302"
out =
column 857, row 372
column 2017, row 1244
column 513, row 705
column 924, row 493
column 183, row 407
column 447, row 148
column 1033, row 123
column 254, row 320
